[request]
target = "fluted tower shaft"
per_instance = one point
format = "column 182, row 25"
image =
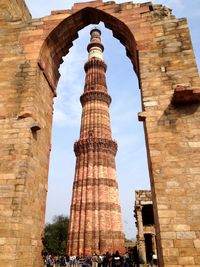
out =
column 95, row 218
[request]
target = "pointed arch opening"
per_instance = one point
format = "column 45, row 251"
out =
column 60, row 40
column 123, row 112
column 58, row 43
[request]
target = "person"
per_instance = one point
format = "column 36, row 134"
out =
column 99, row 260
column 81, row 261
column 62, row 261
column 94, row 260
column 106, row 260
column 72, row 261
column 67, row 260
column 126, row 260
column 117, row 260
column 154, row 259
column 88, row 261
column 57, row 261
column 48, row 260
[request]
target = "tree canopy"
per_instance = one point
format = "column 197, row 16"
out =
column 55, row 236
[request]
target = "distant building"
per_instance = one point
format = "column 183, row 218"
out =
column 129, row 245
column 146, row 242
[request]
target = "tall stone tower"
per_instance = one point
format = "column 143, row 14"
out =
column 95, row 219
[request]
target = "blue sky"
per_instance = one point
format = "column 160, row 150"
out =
column 123, row 87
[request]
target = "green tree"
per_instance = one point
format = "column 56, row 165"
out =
column 55, row 235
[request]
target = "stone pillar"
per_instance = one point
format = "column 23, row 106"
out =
column 141, row 240
column 154, row 246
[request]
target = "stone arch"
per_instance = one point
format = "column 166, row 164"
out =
column 164, row 61
column 58, row 42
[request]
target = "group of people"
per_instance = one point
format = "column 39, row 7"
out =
column 106, row 260
column 55, row 261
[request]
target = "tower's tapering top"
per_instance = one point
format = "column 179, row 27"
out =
column 95, row 47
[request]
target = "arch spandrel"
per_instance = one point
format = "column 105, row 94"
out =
column 137, row 26
column 59, row 40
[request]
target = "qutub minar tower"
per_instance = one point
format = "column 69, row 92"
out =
column 95, row 219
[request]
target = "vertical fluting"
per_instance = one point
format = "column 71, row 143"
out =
column 95, row 219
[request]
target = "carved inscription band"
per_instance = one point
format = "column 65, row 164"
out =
column 95, row 95
column 108, row 162
column 95, row 234
column 102, row 206
column 95, row 144
column 95, row 181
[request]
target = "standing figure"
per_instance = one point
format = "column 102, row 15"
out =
column 106, row 260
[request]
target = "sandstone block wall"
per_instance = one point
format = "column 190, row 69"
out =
column 159, row 46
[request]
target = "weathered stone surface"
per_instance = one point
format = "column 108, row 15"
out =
column 31, row 52
column 197, row 243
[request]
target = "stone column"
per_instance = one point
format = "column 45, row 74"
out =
column 141, row 240
column 154, row 243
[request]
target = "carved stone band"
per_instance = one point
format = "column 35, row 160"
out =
column 95, row 62
column 95, row 181
column 96, row 206
column 91, row 235
column 95, row 95
column 95, row 144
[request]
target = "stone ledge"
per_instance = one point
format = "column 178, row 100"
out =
column 142, row 116
column 185, row 95
column 95, row 95
column 58, row 12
